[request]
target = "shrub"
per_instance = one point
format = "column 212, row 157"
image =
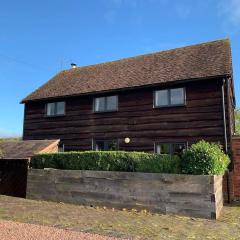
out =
column 204, row 158
column 156, row 163
column 108, row 161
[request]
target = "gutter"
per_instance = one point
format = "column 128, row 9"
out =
column 153, row 85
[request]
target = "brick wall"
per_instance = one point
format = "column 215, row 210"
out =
column 235, row 174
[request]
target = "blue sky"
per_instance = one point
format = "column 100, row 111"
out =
column 39, row 38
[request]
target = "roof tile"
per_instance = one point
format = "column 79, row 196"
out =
column 191, row 62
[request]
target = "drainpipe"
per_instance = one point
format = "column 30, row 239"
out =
column 225, row 136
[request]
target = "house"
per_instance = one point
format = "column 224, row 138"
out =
column 159, row 102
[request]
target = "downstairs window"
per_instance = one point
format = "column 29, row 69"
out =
column 105, row 145
column 170, row 148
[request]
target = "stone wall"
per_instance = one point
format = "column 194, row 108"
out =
column 196, row 196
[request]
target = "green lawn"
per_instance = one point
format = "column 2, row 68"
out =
column 136, row 225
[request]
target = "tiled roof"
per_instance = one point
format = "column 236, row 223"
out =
column 191, row 62
column 26, row 149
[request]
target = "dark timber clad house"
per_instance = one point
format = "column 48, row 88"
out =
column 158, row 102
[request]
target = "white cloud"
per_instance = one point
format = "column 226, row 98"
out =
column 230, row 9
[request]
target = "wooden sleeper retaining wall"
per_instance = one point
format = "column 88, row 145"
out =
column 196, row 196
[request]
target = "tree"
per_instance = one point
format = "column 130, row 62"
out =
column 237, row 120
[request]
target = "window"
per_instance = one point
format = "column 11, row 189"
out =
column 106, row 104
column 170, row 148
column 61, row 148
column 169, row 97
column 56, row 109
column 105, row 145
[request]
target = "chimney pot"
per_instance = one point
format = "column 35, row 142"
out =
column 73, row 65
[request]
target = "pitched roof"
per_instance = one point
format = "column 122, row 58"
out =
column 26, row 149
column 191, row 62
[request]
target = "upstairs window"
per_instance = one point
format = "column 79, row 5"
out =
column 169, row 97
column 105, row 145
column 170, row 148
column 106, row 104
column 55, row 109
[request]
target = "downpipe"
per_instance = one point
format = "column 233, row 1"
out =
column 225, row 136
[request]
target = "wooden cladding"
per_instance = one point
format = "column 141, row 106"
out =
column 200, row 118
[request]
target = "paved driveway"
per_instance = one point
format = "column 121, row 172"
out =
column 21, row 231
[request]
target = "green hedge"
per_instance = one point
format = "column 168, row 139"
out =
column 108, row 161
column 204, row 158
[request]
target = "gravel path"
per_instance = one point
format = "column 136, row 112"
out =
column 22, row 231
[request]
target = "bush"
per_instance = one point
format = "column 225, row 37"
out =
column 204, row 158
column 108, row 161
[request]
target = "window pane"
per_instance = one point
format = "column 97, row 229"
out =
column 106, row 145
column 161, row 98
column 61, row 148
column 112, row 103
column 99, row 104
column 60, row 108
column 99, row 146
column 177, row 96
column 178, row 148
column 163, row 148
column 111, row 145
column 50, row 109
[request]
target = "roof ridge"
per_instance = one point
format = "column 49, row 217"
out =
column 147, row 54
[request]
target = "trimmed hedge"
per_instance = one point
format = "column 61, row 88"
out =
column 204, row 158
column 108, row 161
